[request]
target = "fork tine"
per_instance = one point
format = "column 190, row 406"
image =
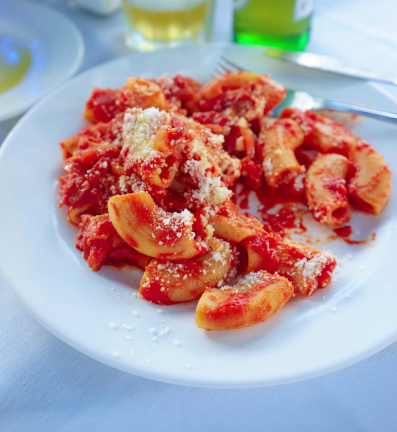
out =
column 218, row 71
column 225, row 67
column 231, row 66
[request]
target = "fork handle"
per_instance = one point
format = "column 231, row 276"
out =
column 356, row 109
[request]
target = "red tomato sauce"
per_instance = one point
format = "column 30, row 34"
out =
column 284, row 218
column 346, row 232
column 153, row 292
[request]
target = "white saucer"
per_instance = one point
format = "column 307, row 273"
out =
column 56, row 48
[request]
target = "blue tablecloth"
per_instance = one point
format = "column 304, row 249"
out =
column 45, row 385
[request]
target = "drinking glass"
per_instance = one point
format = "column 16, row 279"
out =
column 153, row 24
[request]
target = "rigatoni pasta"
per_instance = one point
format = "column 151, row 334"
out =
column 161, row 234
column 151, row 183
column 326, row 189
column 280, row 166
column 253, row 299
column 168, row 282
column 369, row 188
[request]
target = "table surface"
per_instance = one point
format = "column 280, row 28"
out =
column 45, row 385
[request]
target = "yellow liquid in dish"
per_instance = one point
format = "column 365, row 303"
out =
column 15, row 60
column 166, row 25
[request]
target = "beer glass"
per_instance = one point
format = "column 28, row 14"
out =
column 153, row 24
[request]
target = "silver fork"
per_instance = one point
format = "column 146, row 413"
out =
column 305, row 101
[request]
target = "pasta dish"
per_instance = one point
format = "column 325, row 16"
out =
column 150, row 183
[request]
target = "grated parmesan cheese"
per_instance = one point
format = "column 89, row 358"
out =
column 311, row 268
column 139, row 129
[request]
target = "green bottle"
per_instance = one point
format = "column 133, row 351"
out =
column 278, row 23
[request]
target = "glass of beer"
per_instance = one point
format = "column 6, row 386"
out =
column 154, row 24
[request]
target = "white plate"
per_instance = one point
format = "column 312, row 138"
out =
column 350, row 320
column 56, row 47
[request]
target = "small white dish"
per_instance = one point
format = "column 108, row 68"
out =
column 55, row 45
column 100, row 313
